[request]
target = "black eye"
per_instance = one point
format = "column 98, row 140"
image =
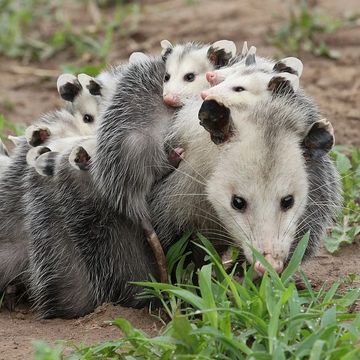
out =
column 287, row 202
column 88, row 118
column 238, row 88
column 238, row 203
column 166, row 77
column 189, row 77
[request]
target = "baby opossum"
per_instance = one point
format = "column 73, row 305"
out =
column 85, row 95
column 186, row 66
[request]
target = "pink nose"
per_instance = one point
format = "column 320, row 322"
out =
column 211, row 77
column 278, row 265
column 204, row 95
column 172, row 100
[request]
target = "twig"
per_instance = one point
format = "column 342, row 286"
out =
column 26, row 70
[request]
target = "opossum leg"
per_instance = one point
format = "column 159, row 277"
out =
column 10, row 297
column 175, row 156
column 37, row 136
column 80, row 159
column 157, row 249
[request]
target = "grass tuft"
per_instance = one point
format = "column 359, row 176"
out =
column 224, row 318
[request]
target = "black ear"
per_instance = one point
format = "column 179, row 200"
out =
column 221, row 52
column 215, row 118
column 279, row 85
column 68, row 87
column 319, row 140
column 291, row 65
column 281, row 67
column 94, row 88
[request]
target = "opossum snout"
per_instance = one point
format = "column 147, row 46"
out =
column 215, row 118
column 277, row 264
column 212, row 78
column 172, row 100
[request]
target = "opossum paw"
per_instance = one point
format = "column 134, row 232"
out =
column 33, row 154
column 10, row 297
column 175, row 156
column 45, row 164
column 80, row 159
column 36, row 136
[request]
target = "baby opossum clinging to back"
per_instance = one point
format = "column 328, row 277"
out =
column 58, row 131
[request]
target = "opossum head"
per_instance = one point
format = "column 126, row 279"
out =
column 250, row 63
column 85, row 95
column 260, row 187
column 248, row 86
column 187, row 65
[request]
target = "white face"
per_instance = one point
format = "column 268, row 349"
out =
column 185, row 77
column 86, row 112
column 240, row 88
column 260, row 193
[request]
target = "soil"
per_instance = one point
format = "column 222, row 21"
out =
column 335, row 85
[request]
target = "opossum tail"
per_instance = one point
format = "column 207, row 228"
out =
column 3, row 149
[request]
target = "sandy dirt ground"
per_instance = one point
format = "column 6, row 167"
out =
column 335, row 85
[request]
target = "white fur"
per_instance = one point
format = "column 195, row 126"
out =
column 245, row 171
column 196, row 62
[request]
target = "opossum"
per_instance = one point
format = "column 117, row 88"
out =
column 247, row 86
column 83, row 253
column 186, row 66
column 85, row 95
column 248, row 61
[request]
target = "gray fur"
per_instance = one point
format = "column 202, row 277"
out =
column 83, row 247
column 131, row 140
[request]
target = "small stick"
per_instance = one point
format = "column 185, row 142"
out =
column 157, row 249
column 25, row 70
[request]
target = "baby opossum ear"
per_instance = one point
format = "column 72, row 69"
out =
column 221, row 52
column 215, row 118
column 137, row 57
column 319, row 139
column 167, row 49
column 290, row 65
column 250, row 56
column 88, row 82
column 68, row 87
column 283, row 84
column 244, row 50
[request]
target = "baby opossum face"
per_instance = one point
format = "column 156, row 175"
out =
column 259, row 191
column 187, row 65
column 86, row 111
column 240, row 88
column 185, row 76
column 84, row 93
